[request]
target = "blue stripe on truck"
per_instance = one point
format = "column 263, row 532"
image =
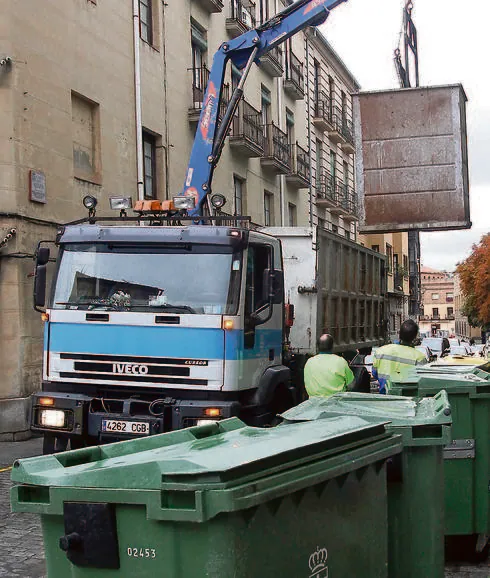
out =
column 188, row 342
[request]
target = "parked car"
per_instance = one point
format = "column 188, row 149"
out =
column 454, row 341
column 429, row 355
column 463, row 349
column 435, row 344
column 477, row 349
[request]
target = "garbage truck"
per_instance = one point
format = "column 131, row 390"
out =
column 178, row 315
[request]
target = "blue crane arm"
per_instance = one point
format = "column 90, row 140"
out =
column 242, row 51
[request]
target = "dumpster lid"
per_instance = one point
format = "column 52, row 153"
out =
column 399, row 410
column 210, row 454
column 448, row 378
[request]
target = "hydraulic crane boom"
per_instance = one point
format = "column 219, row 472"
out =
column 243, row 51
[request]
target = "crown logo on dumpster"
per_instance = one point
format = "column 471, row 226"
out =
column 318, row 563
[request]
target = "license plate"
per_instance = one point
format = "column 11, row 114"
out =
column 125, row 427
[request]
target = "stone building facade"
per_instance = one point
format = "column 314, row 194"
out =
column 438, row 315
column 70, row 125
column 395, row 247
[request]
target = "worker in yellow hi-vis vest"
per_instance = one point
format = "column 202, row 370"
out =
column 327, row 373
column 395, row 361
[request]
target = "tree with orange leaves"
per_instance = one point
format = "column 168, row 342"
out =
column 474, row 274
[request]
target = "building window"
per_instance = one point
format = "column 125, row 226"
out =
column 435, row 296
column 149, row 159
column 238, row 191
column 450, row 311
column 405, row 264
column 86, row 139
column 264, row 11
column 316, row 81
column 266, row 105
column 331, row 95
column 435, row 312
column 389, row 255
column 268, row 216
column 146, row 21
column 449, row 297
column 319, row 162
column 335, row 229
column 292, row 215
column 290, row 126
column 333, row 165
column 375, row 248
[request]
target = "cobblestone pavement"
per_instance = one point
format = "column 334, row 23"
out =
column 21, row 551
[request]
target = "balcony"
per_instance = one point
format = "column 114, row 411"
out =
column 277, row 152
column 345, row 202
column 200, row 79
column 247, row 131
column 299, row 175
column 398, row 282
column 212, row 6
column 342, row 132
column 326, row 196
column 295, row 78
column 242, row 17
column 322, row 114
column 271, row 63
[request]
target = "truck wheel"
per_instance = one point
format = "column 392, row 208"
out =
column 282, row 402
column 53, row 444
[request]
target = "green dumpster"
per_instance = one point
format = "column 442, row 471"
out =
column 416, row 479
column 217, row 501
column 467, row 458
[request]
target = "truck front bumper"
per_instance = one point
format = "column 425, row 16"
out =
column 81, row 416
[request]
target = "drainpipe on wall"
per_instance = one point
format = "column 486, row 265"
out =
column 280, row 102
column 308, row 122
column 137, row 99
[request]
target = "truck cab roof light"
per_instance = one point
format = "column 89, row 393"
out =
column 184, row 203
column 121, row 203
column 46, row 401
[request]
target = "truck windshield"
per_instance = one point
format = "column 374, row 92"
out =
column 181, row 279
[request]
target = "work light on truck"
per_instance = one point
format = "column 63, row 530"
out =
column 184, row 203
column 121, row 203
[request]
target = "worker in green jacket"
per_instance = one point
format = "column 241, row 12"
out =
column 396, row 361
column 326, row 373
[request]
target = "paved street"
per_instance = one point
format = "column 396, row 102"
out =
column 22, row 556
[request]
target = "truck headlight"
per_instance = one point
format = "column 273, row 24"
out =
column 206, row 421
column 52, row 418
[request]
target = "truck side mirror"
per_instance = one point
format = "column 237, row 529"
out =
column 273, row 286
column 42, row 256
column 40, row 286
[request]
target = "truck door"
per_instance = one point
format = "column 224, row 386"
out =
column 263, row 320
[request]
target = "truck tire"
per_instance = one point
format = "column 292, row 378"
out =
column 281, row 402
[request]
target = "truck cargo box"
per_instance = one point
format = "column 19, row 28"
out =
column 336, row 286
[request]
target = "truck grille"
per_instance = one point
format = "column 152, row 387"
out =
column 133, row 369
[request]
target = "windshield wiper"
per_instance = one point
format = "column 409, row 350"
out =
column 90, row 304
column 168, row 306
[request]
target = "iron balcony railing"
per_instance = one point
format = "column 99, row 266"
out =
column 247, row 124
column 343, row 125
column 276, row 145
column 346, row 198
column 276, row 56
column 295, row 70
column 326, row 187
column 300, row 162
column 200, row 79
column 244, row 12
column 323, row 108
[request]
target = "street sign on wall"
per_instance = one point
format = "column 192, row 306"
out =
column 37, row 186
column 412, row 159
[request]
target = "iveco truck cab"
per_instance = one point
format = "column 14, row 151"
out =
column 154, row 328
